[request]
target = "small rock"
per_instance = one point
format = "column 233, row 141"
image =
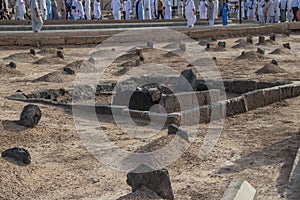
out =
column 69, row 70
column 142, row 58
column 60, row 54
column 139, row 52
column 113, row 49
column 260, row 51
column 213, row 38
column 140, row 100
column 30, row 116
column 19, row 90
column 214, row 59
column 32, row 52
column 61, row 48
column 183, row 135
column 274, row 62
column 155, row 94
column 150, row 44
column 287, row 33
column 208, row 46
column 12, row 65
column 190, row 81
column 157, row 180
column 250, row 39
column 261, row 39
column 243, row 53
column 182, row 47
column 272, row 36
column 19, row 154
column 172, row 129
column 222, row 44
column 287, row 45
column 201, row 86
column 91, row 60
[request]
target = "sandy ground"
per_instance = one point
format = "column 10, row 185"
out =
column 258, row 146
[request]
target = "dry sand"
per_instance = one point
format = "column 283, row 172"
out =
column 258, row 146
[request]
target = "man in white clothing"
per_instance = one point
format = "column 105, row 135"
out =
column 20, row 9
column 216, row 9
column 168, row 10
column 276, row 11
column 283, row 9
column 147, row 9
column 202, row 9
column 127, row 5
column 97, row 9
column 43, row 9
column 36, row 19
column 190, row 13
column 180, row 9
column 87, row 7
column 116, row 9
column 251, row 9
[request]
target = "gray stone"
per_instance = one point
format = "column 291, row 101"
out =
column 154, row 179
column 18, row 154
column 261, row 39
column 296, row 89
column 60, row 54
column 201, row 86
column 239, row 190
column 222, row 44
column 250, row 39
column 272, row 95
column 92, row 60
column 260, row 51
column 172, row 129
column 286, row 91
column 254, row 99
column 155, row 94
column 243, row 86
column 182, row 47
column 208, row 46
column 263, row 85
column 235, row 106
column 286, row 45
column 69, row 70
column 140, row 100
column 12, row 65
column 190, row 82
column 30, row 116
column 32, row 52
column 272, row 36
column 150, row 44
column 274, row 62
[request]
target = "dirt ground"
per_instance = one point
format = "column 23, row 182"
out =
column 258, row 146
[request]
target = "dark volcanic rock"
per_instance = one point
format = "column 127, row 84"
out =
column 32, row 52
column 154, row 179
column 260, row 51
column 69, row 70
column 140, row 100
column 19, row 154
column 286, row 45
column 12, row 65
column 187, row 82
column 60, row 54
column 222, row 44
column 30, row 116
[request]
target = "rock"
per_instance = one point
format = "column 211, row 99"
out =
column 141, row 59
column 190, row 80
column 113, row 49
column 272, row 36
column 213, row 38
column 286, row 45
column 155, row 94
column 208, row 46
column 140, row 100
column 274, row 62
column 250, row 39
column 139, row 52
column 92, row 60
column 287, row 33
column 19, row 154
column 214, row 59
column 261, row 39
column 32, row 52
column 183, row 135
column 260, row 51
column 222, row 44
column 12, row 65
column 172, row 129
column 69, row 70
column 60, row 54
column 83, row 92
column 150, row 44
column 30, row 116
column 201, row 86
column 61, row 48
column 19, row 90
column 154, row 179
column 182, row 47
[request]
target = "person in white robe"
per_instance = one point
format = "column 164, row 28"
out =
column 147, row 9
column 20, row 9
column 180, row 9
column 116, row 9
column 190, row 13
column 168, row 10
column 260, row 11
column 87, row 8
column 36, row 19
column 43, row 9
column 127, row 5
column 97, row 9
column 289, row 13
column 152, row 9
column 251, row 9
column 242, row 10
column 270, row 11
column 216, row 9
column 80, row 10
column 74, row 10
column 276, row 11
column 156, row 8
column 283, row 10
column 54, row 10
column 202, row 9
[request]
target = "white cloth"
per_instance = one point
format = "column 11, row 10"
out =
column 260, row 11
column 20, row 9
column 276, row 10
column 152, row 9
column 189, row 13
column 202, row 9
column 87, row 7
column 79, row 10
column 251, row 9
column 216, row 9
column 74, row 11
column 156, row 8
column 180, row 9
column 116, row 6
column 168, row 10
column 97, row 9
column 147, row 9
column 127, row 9
column 43, row 9
column 242, row 9
column 36, row 20
column 270, row 11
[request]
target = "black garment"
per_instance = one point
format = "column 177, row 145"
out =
column 295, row 9
column 160, row 14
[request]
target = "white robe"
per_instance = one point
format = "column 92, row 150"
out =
column 277, row 11
column 289, row 13
column 43, row 9
column 180, row 9
column 202, row 9
column 116, row 6
column 79, row 10
column 156, row 8
column 97, row 9
column 251, row 12
column 147, row 9
column 127, row 9
column 87, row 6
column 243, row 10
column 20, row 7
column 216, row 9
column 260, row 11
column 168, row 10
column 152, row 9
column 74, row 12
column 189, row 13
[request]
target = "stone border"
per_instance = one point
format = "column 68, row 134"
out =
column 239, row 190
column 293, row 189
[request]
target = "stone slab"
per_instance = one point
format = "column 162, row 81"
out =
column 293, row 189
column 254, row 99
column 272, row 95
column 235, row 106
column 239, row 190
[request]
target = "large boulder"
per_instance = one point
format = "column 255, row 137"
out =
column 30, row 116
column 140, row 100
column 188, row 81
column 18, row 154
column 154, row 179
